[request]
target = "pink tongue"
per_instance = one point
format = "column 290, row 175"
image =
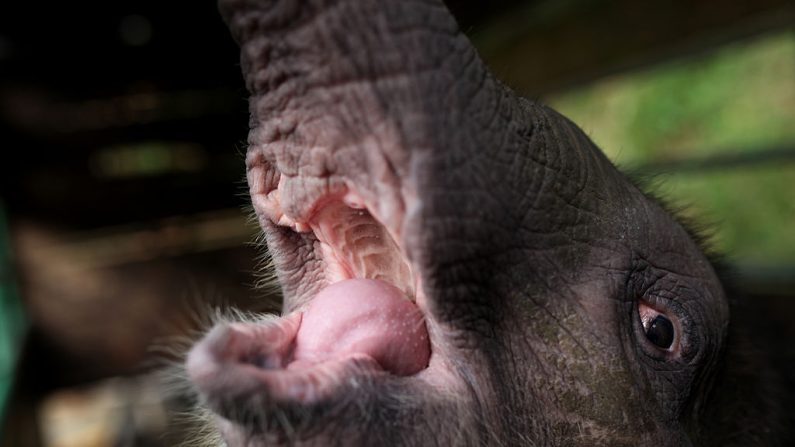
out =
column 363, row 316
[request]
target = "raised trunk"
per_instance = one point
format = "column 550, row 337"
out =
column 388, row 94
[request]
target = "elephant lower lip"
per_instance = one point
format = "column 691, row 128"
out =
column 247, row 365
column 300, row 357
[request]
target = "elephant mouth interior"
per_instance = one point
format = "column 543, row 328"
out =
column 367, row 307
column 364, row 319
column 353, row 244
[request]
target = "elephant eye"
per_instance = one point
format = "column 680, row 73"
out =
column 660, row 332
column 658, row 328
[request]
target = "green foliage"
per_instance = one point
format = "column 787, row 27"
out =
column 739, row 98
column 753, row 210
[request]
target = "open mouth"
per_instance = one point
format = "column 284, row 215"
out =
column 352, row 304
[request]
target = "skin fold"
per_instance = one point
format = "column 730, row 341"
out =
column 527, row 252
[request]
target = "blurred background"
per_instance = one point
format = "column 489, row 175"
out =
column 122, row 193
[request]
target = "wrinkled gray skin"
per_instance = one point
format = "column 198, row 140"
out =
column 533, row 250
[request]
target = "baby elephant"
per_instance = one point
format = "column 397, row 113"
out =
column 460, row 266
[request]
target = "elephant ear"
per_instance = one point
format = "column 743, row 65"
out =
column 748, row 399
